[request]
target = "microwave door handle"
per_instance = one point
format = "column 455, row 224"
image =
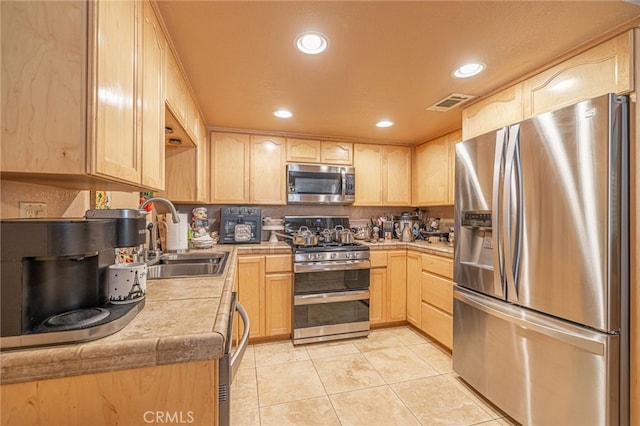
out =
column 343, row 174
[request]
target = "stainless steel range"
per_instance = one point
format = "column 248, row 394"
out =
column 331, row 283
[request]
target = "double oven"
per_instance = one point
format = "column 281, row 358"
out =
column 330, row 284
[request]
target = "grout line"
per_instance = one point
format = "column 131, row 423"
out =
column 393, row 332
column 415, row 415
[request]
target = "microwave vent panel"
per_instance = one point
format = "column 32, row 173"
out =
column 453, row 100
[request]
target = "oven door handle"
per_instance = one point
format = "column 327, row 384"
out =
column 338, row 296
column 331, row 266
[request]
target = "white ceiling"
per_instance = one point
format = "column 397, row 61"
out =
column 386, row 59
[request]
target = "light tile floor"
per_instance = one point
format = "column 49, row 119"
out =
column 395, row 376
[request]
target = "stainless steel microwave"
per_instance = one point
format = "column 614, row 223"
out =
column 320, row 184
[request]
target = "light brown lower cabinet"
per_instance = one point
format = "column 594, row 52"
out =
column 278, row 304
column 265, row 291
column 436, row 296
column 387, row 287
column 414, row 275
column 174, row 393
column 377, row 291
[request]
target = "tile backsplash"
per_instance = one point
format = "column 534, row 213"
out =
column 73, row 203
column 354, row 212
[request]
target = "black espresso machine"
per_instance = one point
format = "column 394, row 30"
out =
column 54, row 277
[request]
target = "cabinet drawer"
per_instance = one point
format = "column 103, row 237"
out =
column 437, row 291
column 437, row 324
column 378, row 258
column 438, row 265
column 278, row 263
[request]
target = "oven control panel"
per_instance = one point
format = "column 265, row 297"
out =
column 324, row 256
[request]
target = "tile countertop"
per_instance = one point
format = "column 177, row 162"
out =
column 440, row 249
column 184, row 319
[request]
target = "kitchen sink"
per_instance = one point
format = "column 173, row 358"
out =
column 182, row 265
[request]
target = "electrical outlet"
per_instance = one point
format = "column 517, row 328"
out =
column 32, row 210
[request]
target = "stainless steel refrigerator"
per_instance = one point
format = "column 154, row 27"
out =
column 541, row 301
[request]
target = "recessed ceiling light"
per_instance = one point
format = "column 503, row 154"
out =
column 283, row 113
column 312, row 43
column 468, row 70
column 384, row 123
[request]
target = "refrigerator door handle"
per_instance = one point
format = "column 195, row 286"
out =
column 496, row 218
column 511, row 212
column 587, row 342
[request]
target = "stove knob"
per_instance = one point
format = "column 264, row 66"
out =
column 356, row 255
column 334, row 255
column 348, row 255
column 310, row 256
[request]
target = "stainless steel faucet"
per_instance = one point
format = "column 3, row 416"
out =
column 152, row 254
column 174, row 213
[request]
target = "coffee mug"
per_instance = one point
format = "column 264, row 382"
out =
column 127, row 282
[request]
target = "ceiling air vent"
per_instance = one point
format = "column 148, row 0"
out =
column 449, row 102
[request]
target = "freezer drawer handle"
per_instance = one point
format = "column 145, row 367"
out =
column 587, row 344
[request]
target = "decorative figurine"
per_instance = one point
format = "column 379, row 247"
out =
column 199, row 222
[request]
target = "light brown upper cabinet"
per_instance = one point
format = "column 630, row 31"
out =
column 319, row 152
column 151, row 81
column 267, row 174
column 605, row 68
column 367, row 160
column 229, row 168
column 383, row 175
column 336, row 153
column 303, row 151
column 181, row 103
column 186, row 166
column 176, row 90
column 194, row 122
column 76, row 108
column 452, row 139
column 492, row 113
column 396, row 175
column 433, row 183
column 247, row 169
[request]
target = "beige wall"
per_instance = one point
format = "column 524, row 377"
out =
column 60, row 202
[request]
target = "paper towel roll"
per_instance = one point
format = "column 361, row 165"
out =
column 177, row 233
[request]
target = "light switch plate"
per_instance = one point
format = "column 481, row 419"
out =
column 32, row 210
